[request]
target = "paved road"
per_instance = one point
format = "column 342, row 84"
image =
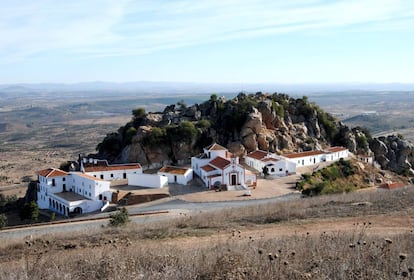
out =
column 173, row 206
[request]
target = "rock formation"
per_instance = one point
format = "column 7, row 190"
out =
column 272, row 122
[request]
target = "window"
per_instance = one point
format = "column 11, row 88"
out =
column 53, row 182
column 63, row 179
column 125, row 175
column 112, row 175
column 280, row 169
column 102, row 176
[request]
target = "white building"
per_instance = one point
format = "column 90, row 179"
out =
column 103, row 170
column 154, row 181
column 177, row 175
column 306, row 158
column 217, row 167
column 276, row 165
column 335, row 153
column 75, row 192
column 314, row 157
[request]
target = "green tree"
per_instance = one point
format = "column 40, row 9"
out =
column 138, row 113
column 3, row 220
column 182, row 104
column 213, row 97
column 30, row 211
column 120, row 218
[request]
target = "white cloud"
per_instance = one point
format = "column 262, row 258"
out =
column 121, row 28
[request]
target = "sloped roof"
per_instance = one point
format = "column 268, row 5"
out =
column 51, row 172
column 336, row 149
column 391, row 186
column 174, row 170
column 257, row 154
column 215, row 147
column 219, row 162
column 270, row 159
column 87, row 176
column 113, row 167
column 303, row 154
column 207, row 168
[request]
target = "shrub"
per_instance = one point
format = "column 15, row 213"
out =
column 30, row 211
column 120, row 218
column 3, row 220
column 203, row 124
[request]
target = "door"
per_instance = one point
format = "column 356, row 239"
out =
column 233, row 180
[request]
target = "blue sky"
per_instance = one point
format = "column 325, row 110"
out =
column 296, row 41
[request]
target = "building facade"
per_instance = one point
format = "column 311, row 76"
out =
column 177, row 175
column 276, row 165
column 71, row 193
column 216, row 167
column 103, row 170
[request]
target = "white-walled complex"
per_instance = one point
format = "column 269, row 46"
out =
column 177, row 175
column 276, row 165
column 74, row 192
column 217, row 167
column 103, row 170
column 283, row 165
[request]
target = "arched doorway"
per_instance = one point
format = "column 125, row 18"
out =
column 78, row 210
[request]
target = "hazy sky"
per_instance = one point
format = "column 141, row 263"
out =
column 295, row 41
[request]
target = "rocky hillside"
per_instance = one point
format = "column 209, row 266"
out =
column 393, row 153
column 273, row 122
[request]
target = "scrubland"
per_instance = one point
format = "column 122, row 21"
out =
column 361, row 235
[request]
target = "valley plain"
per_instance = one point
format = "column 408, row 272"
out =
column 42, row 130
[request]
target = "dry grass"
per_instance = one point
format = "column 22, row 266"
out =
column 350, row 255
column 240, row 243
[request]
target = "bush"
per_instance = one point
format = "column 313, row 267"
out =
column 203, row 124
column 3, row 220
column 120, row 218
column 30, row 211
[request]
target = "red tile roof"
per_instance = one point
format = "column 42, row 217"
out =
column 207, row 168
column 97, row 168
column 219, row 162
column 51, row 172
column 391, row 186
column 303, row 154
column 174, row 170
column 257, row 154
column 87, row 176
column 215, row 147
column 336, row 149
column 270, row 159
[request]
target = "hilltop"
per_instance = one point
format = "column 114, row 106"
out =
column 271, row 122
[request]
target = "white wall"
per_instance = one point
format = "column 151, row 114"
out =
column 233, row 169
column 182, row 179
column 308, row 160
column 197, row 163
column 147, row 180
column 114, row 174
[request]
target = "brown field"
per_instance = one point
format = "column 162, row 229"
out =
column 353, row 236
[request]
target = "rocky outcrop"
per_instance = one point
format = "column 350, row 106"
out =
column 393, row 153
column 272, row 122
